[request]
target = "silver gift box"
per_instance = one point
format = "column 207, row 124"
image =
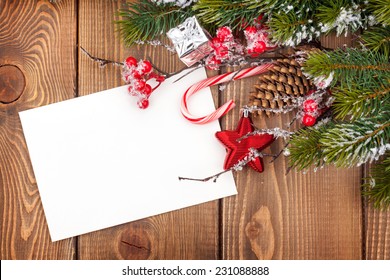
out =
column 191, row 41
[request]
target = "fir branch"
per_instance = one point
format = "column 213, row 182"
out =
column 285, row 6
column 144, row 20
column 232, row 13
column 344, row 144
column 349, row 144
column 291, row 29
column 377, row 39
column 328, row 12
column 348, row 65
column 342, row 15
column 362, row 100
column 305, row 148
column 377, row 186
column 381, row 10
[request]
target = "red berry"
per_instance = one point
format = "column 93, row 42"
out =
column 310, row 105
column 146, row 67
column 224, row 33
column 216, row 43
column 143, row 103
column 136, row 75
column 252, row 53
column 310, row 92
column 308, row 120
column 131, row 61
column 251, row 30
column 259, row 47
column 139, row 85
column 147, row 90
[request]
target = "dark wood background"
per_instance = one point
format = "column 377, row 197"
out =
column 316, row 215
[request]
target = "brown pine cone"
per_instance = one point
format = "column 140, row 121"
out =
column 277, row 88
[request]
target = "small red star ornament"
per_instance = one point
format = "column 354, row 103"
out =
column 237, row 150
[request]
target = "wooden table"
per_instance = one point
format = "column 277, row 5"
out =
column 316, row 215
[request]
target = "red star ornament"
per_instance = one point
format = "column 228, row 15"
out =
column 237, row 150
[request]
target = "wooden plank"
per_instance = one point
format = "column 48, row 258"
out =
column 191, row 233
column 37, row 67
column 316, row 215
column 377, row 232
column 376, row 229
column 376, row 244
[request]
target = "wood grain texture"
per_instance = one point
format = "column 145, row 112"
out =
column 312, row 215
column 377, row 225
column 12, row 83
column 37, row 65
column 191, row 233
column 377, row 230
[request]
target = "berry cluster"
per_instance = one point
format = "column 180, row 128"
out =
column 257, row 40
column 136, row 74
column 314, row 105
column 226, row 48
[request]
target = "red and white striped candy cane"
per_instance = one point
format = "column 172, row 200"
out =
column 215, row 81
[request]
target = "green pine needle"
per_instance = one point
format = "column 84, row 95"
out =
column 291, row 29
column 348, row 65
column 329, row 13
column 330, row 10
column 343, row 144
column 299, row 6
column 381, row 10
column 232, row 13
column 377, row 187
column 378, row 39
column 305, row 148
column 362, row 100
column 350, row 144
column 145, row 20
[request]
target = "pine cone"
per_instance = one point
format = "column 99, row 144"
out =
column 278, row 87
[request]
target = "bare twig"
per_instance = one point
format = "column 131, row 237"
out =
column 189, row 72
column 239, row 62
column 156, row 68
column 253, row 153
column 280, row 152
column 265, row 57
column 292, row 121
column 103, row 62
column 213, row 177
column 288, row 169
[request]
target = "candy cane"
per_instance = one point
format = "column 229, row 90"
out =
column 215, row 81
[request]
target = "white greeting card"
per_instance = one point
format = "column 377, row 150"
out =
column 100, row 161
